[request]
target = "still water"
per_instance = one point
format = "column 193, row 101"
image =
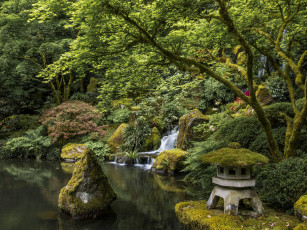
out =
column 29, row 194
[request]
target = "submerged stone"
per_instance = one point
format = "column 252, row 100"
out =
column 186, row 131
column 300, row 208
column 72, row 152
column 88, row 193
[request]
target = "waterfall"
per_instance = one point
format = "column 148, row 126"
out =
column 145, row 161
column 167, row 142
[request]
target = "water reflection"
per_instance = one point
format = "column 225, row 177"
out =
column 29, row 193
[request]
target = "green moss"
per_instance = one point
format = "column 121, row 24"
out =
column 72, row 151
column 88, row 178
column 234, row 157
column 263, row 95
column 153, row 141
column 170, row 160
column 301, row 227
column 67, row 167
column 195, row 215
column 186, row 124
column 93, row 84
column 117, row 139
column 301, row 205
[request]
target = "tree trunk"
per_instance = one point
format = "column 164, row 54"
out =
column 266, row 125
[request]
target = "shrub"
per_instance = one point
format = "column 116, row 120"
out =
column 135, row 136
column 260, row 144
column 101, row 149
column 119, row 116
column 273, row 113
column 242, row 130
column 73, row 118
column 281, row 185
column 32, row 144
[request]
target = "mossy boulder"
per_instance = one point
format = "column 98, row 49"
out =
column 300, row 208
column 67, row 167
column 170, row 161
column 88, row 194
column 153, row 141
column 196, row 216
column 117, row 139
column 93, row 85
column 301, row 227
column 72, row 152
column 186, row 131
column 263, row 95
column 234, row 156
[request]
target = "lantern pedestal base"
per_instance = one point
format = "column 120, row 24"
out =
column 232, row 197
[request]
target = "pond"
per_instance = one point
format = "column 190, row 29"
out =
column 29, row 195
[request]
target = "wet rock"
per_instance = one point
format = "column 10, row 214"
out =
column 186, row 125
column 170, row 161
column 72, row 152
column 263, row 95
column 153, row 141
column 88, row 194
column 117, row 139
column 300, row 208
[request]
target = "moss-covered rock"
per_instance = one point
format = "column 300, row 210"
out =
column 234, row 157
column 153, row 141
column 170, row 161
column 263, row 95
column 196, row 216
column 301, row 227
column 300, row 208
column 186, row 131
column 93, row 85
column 72, row 152
column 117, row 139
column 88, row 193
column 67, row 167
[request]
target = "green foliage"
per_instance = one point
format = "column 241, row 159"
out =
column 215, row 122
column 277, row 87
column 132, row 156
column 273, row 113
column 85, row 97
column 71, row 119
column 101, row 149
column 119, row 116
column 32, row 144
column 135, row 135
column 241, row 129
column 281, row 185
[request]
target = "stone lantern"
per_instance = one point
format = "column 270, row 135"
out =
column 234, row 181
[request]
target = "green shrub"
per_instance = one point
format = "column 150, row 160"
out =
column 135, row 135
column 277, row 87
column 281, row 185
column 242, row 130
column 32, row 144
column 260, row 144
column 273, row 113
column 101, row 149
column 119, row 116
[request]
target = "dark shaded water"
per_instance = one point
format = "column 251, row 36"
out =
column 29, row 194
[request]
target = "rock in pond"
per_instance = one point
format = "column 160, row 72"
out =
column 88, row 194
column 72, row 152
column 300, row 208
column 169, row 161
column 186, row 125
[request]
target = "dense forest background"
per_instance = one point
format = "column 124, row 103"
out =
column 98, row 64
